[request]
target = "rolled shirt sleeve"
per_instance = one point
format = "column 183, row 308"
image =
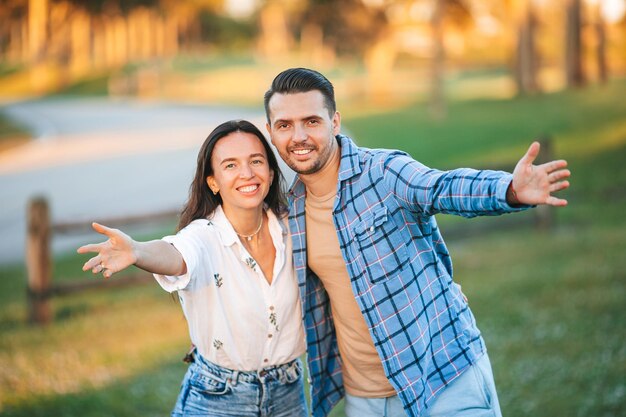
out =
column 189, row 244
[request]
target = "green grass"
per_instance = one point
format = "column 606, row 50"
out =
column 8, row 69
column 487, row 132
column 201, row 63
column 550, row 305
column 551, row 308
column 11, row 133
column 95, row 86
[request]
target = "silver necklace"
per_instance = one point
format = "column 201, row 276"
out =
column 249, row 237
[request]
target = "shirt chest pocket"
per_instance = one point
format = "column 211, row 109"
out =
column 379, row 242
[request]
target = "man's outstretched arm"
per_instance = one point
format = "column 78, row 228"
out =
column 534, row 184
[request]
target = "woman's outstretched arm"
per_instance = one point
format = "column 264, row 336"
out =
column 120, row 251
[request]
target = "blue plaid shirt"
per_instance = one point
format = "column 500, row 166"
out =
column 400, row 271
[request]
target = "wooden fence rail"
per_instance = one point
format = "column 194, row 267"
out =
column 39, row 261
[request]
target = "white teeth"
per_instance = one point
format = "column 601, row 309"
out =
column 248, row 188
column 302, row 151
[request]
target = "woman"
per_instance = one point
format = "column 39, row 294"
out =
column 230, row 263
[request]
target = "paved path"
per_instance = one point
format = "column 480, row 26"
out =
column 97, row 158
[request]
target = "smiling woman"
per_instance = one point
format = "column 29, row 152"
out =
column 231, row 265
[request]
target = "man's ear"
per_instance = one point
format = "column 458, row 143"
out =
column 336, row 123
column 269, row 131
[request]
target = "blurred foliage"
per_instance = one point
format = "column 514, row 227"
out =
column 228, row 33
column 97, row 7
column 348, row 25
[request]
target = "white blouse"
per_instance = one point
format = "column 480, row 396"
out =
column 236, row 318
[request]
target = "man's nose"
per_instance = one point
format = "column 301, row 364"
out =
column 299, row 134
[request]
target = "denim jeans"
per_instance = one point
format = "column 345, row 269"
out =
column 473, row 394
column 210, row 390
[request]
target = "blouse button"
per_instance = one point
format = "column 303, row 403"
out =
column 269, row 335
column 266, row 360
column 271, row 307
column 372, row 229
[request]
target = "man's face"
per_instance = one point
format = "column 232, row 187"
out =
column 302, row 130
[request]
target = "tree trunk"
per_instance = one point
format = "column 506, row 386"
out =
column 37, row 29
column 437, row 104
column 603, row 71
column 573, row 45
column 526, row 63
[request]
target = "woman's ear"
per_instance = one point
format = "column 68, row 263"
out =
column 210, row 181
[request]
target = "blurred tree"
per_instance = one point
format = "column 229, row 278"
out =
column 526, row 57
column 275, row 40
column 348, row 26
column 225, row 32
column 37, row 29
column 12, row 14
column 330, row 28
column 574, row 74
column 98, row 7
column 600, row 31
column 437, row 104
column 444, row 12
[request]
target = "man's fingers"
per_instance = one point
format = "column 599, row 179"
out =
column 557, row 202
column 558, row 186
column 554, row 166
column 559, row 175
column 531, row 153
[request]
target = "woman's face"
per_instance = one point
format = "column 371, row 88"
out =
column 241, row 171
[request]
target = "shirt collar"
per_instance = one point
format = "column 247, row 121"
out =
column 349, row 165
column 226, row 232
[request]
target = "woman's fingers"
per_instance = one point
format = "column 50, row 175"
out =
column 104, row 230
column 92, row 263
column 91, row 247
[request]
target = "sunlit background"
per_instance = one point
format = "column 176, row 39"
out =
column 225, row 50
column 104, row 104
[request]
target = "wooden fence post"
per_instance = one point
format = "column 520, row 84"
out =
column 544, row 214
column 38, row 263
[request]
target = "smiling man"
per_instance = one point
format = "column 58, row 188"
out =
column 386, row 325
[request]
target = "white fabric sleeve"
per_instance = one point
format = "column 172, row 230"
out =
column 189, row 243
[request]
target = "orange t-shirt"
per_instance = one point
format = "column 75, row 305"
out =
column 362, row 369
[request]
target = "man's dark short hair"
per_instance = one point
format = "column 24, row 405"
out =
column 301, row 80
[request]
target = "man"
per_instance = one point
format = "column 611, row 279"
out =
column 385, row 323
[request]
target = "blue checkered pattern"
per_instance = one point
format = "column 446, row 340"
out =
column 400, row 271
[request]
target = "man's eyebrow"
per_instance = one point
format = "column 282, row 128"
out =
column 305, row 118
column 281, row 121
